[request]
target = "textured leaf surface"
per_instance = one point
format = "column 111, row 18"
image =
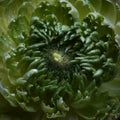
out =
column 59, row 59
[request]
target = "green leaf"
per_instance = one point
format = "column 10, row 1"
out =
column 105, row 11
column 18, row 29
column 112, row 87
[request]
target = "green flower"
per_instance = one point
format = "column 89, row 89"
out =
column 59, row 59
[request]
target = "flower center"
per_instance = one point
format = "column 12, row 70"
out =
column 58, row 57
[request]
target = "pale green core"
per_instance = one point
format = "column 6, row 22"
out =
column 58, row 57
